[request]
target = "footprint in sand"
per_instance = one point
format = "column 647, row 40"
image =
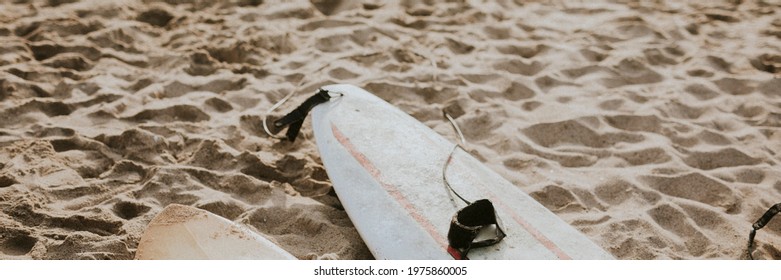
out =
column 156, row 16
column 17, row 244
column 128, row 210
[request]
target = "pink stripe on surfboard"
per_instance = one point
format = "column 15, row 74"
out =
column 392, row 190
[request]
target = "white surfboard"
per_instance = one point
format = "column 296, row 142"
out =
column 187, row 233
column 386, row 168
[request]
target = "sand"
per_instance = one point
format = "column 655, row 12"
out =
column 654, row 128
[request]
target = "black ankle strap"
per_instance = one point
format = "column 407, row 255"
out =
column 467, row 224
column 295, row 119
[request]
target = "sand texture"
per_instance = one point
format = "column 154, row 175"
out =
column 654, row 127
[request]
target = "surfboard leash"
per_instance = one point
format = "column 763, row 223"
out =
column 759, row 224
column 274, row 107
column 450, row 157
column 467, row 222
column 295, row 119
column 444, row 177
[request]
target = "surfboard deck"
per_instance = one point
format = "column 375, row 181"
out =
column 386, row 168
column 182, row 232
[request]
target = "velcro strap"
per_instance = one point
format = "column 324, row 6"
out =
column 295, row 119
column 466, row 225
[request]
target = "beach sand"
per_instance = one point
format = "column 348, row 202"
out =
column 654, row 127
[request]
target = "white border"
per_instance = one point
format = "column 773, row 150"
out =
column 223, row 270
